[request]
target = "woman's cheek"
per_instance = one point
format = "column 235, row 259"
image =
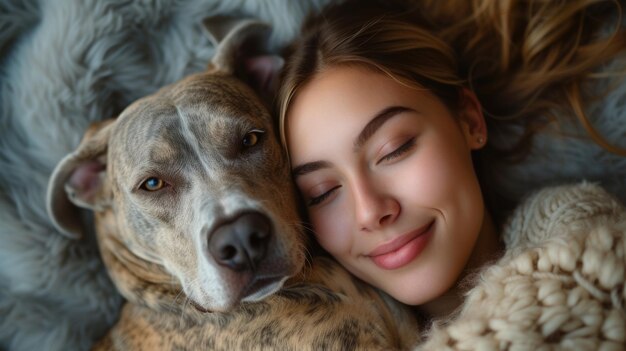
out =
column 331, row 229
column 434, row 175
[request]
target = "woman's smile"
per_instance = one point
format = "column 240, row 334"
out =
column 402, row 250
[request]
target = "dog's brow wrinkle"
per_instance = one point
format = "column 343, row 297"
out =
column 191, row 138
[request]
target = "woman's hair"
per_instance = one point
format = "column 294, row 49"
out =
column 526, row 60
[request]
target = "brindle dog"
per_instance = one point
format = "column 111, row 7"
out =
column 197, row 224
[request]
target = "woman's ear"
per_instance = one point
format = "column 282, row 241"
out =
column 472, row 120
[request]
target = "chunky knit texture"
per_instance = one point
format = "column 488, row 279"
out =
column 559, row 285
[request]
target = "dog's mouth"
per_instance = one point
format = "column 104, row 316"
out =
column 260, row 288
column 198, row 307
column 256, row 290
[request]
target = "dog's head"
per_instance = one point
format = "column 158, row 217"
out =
column 193, row 181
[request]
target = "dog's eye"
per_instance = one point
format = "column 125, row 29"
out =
column 252, row 137
column 153, row 184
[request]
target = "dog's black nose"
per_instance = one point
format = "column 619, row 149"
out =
column 242, row 243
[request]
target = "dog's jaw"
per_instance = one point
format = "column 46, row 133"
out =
column 256, row 290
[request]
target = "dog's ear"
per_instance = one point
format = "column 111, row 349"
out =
column 241, row 50
column 77, row 181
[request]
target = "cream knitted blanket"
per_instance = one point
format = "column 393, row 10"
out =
column 560, row 284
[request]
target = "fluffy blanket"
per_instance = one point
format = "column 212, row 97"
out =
column 67, row 63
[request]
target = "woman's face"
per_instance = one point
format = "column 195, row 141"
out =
column 386, row 174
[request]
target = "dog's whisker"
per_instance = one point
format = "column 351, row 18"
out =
column 182, row 312
column 178, row 295
column 175, row 281
column 186, row 301
column 302, row 226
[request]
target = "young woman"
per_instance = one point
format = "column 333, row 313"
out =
column 381, row 120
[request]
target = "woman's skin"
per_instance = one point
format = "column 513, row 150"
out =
column 387, row 176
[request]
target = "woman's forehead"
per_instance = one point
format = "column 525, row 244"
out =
column 350, row 92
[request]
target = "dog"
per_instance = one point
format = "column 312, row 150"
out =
column 197, row 221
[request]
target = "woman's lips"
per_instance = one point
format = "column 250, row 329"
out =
column 402, row 250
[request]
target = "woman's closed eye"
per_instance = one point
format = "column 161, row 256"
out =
column 316, row 200
column 408, row 145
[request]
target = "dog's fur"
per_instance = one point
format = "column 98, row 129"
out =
column 158, row 246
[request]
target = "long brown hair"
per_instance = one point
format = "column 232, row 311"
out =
column 526, row 60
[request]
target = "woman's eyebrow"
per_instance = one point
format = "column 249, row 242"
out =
column 370, row 128
column 308, row 168
column 376, row 122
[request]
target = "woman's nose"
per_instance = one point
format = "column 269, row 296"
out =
column 374, row 208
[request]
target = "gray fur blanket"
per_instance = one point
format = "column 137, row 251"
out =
column 67, row 63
